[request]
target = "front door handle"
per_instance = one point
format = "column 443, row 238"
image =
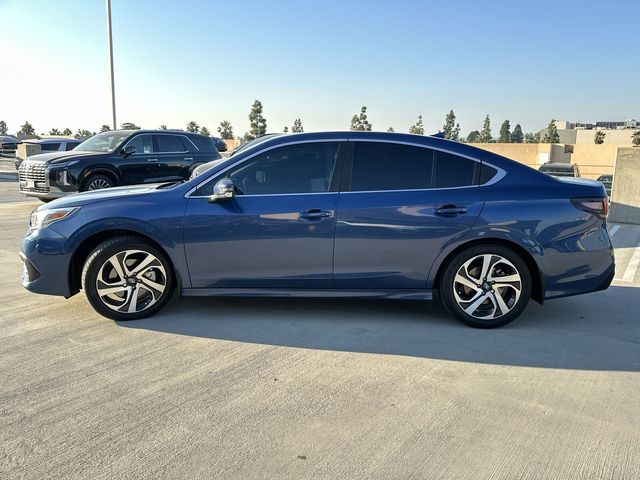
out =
column 152, row 159
column 450, row 210
column 315, row 214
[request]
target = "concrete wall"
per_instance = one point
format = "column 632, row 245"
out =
column 625, row 196
column 232, row 144
column 532, row 154
column 618, row 137
column 594, row 160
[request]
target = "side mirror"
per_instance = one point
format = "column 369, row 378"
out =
column 223, row 189
column 126, row 151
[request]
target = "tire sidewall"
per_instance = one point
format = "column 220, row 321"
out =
column 446, row 287
column 101, row 254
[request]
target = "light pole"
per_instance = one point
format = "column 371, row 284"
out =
column 113, row 88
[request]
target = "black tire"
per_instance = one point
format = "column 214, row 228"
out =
column 98, row 182
column 98, row 265
column 45, row 200
column 510, row 298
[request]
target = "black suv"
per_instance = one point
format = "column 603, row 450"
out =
column 120, row 157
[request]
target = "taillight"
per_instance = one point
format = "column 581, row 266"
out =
column 597, row 206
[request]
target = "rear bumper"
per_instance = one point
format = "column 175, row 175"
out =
column 586, row 266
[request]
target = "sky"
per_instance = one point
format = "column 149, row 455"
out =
column 320, row 61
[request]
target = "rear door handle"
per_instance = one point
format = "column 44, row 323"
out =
column 152, row 159
column 450, row 210
column 315, row 214
column 188, row 158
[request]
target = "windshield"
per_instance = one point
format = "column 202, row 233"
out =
column 104, row 142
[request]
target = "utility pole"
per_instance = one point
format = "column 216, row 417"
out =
column 113, row 88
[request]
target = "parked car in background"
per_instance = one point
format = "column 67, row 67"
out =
column 120, row 157
column 8, row 144
column 607, row 181
column 221, row 146
column 206, row 166
column 336, row 214
column 560, row 169
column 51, row 145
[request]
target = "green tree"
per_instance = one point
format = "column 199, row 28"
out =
column 205, row 131
column 163, row 127
column 451, row 129
column 257, row 122
column 532, row 137
column 129, row 126
column 105, row 128
column 390, row 130
column 418, row 127
column 485, row 134
column 505, row 132
column 54, row 131
column 225, row 130
column 635, row 138
column 473, row 136
column 67, row 132
column 598, row 138
column 285, row 129
column 82, row 133
column 27, row 129
column 360, row 122
column 551, row 135
column 517, row 136
column 3, row 127
column 193, row 127
column 297, row 126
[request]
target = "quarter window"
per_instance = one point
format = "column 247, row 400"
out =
column 391, row 166
column 302, row 168
column 170, row 144
column 142, row 143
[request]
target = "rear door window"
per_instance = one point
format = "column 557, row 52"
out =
column 49, row 147
column 170, row 144
column 391, row 166
column 454, row 171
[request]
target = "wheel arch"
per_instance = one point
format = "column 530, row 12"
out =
column 85, row 247
column 537, row 287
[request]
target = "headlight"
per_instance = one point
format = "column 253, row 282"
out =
column 42, row 218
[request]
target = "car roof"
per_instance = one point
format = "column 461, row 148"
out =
column 52, row 140
column 181, row 132
column 558, row 166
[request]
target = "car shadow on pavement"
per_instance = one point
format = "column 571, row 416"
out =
column 600, row 331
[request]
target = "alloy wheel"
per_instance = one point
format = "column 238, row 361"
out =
column 131, row 281
column 487, row 286
column 99, row 184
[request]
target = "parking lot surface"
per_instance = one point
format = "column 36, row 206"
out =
column 273, row 388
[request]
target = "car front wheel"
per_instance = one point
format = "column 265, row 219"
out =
column 127, row 278
column 486, row 286
column 97, row 182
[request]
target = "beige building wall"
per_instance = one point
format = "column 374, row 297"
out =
column 618, row 137
column 594, row 160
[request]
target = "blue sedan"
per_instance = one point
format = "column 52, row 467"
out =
column 338, row 214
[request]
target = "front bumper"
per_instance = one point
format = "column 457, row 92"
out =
column 45, row 263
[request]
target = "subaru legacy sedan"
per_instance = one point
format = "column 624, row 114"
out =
column 346, row 214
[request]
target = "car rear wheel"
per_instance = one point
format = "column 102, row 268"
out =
column 486, row 286
column 127, row 278
column 97, row 182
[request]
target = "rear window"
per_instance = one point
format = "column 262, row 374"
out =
column 49, row 147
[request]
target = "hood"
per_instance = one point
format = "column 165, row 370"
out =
column 115, row 193
column 59, row 157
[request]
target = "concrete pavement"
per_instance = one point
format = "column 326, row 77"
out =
column 266, row 388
